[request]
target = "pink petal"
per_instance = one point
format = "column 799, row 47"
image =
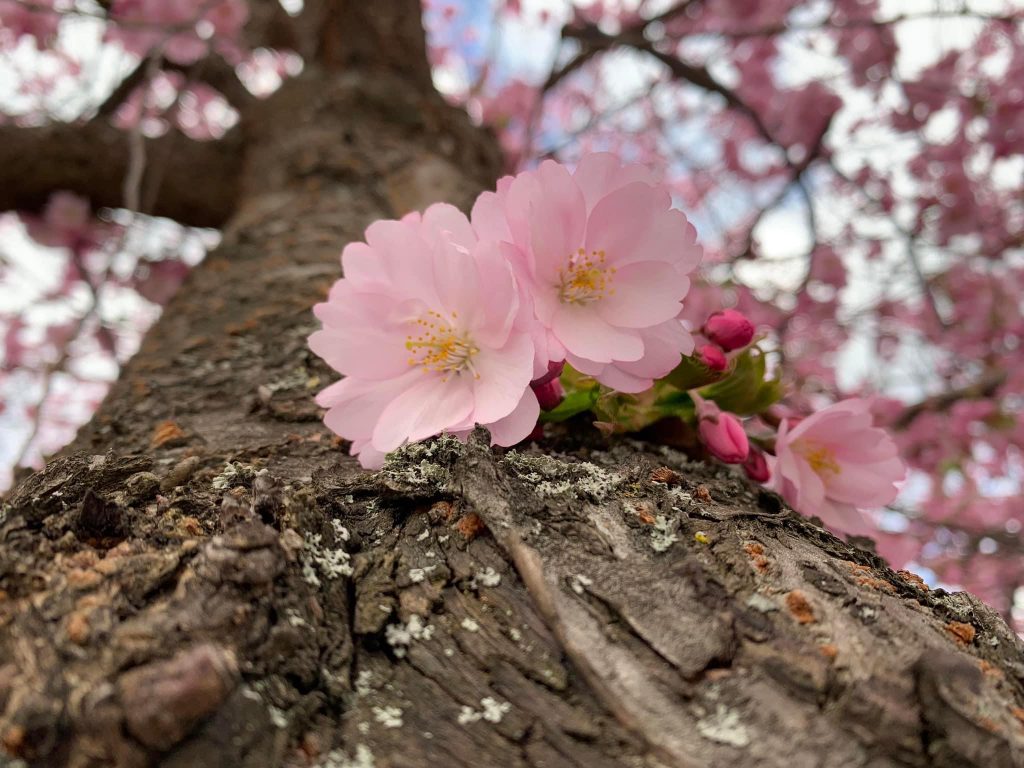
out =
column 503, row 374
column 635, row 224
column 646, row 293
column 450, row 220
column 426, row 408
column 489, row 220
column 601, row 173
column 557, row 218
column 369, row 354
column 515, row 427
column 355, row 405
column 586, row 334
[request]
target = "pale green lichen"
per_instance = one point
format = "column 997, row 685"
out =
column 490, row 710
column 552, row 478
column 298, row 378
column 363, row 680
column 339, row 759
column 423, row 465
column 401, row 636
column 488, row 577
column 234, row 473
column 725, row 727
column 389, row 717
column 663, row 534
column 580, row 583
column 318, row 560
column 416, row 575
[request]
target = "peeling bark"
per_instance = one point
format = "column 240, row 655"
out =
column 205, row 579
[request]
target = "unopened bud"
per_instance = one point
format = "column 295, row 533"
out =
column 729, row 329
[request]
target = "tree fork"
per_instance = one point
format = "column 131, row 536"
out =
column 204, row 579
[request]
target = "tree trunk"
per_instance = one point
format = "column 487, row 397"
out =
column 205, row 580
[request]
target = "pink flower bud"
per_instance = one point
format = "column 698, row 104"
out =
column 756, row 466
column 729, row 329
column 725, row 438
column 713, row 357
column 549, row 394
column 554, row 371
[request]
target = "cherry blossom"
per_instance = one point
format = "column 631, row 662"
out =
column 606, row 261
column 421, row 353
column 834, row 463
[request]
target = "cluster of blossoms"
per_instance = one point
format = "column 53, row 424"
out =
column 444, row 322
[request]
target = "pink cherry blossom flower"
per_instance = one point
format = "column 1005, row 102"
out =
column 721, row 432
column 606, row 261
column 834, row 463
column 421, row 352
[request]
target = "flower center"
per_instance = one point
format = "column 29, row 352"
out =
column 585, row 278
column 822, row 459
column 439, row 347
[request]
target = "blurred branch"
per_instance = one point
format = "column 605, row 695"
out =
column 985, row 387
column 92, row 160
column 212, row 70
column 780, row 28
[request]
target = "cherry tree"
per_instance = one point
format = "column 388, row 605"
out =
column 832, row 276
column 853, row 169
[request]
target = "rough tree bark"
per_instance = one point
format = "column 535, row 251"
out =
column 204, row 579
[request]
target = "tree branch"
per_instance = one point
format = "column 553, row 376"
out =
column 213, row 70
column 91, row 159
column 984, row 387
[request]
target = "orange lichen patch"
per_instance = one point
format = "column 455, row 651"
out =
column 666, row 476
column 989, row 725
column 166, row 432
column 800, row 608
column 78, row 628
column 442, row 510
column 962, row 632
column 829, row 650
column 14, row 739
column 195, row 342
column 87, row 558
column 879, row 584
column 189, row 526
column 990, row 670
column 857, row 567
column 757, row 556
column 1018, row 712
column 643, row 510
column 913, row 579
column 702, row 493
column 254, row 321
column 79, row 578
column 470, row 526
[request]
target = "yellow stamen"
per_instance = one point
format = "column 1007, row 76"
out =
column 821, row 458
column 585, row 278
column 441, row 348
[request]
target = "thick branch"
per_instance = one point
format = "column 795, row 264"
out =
column 91, row 159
